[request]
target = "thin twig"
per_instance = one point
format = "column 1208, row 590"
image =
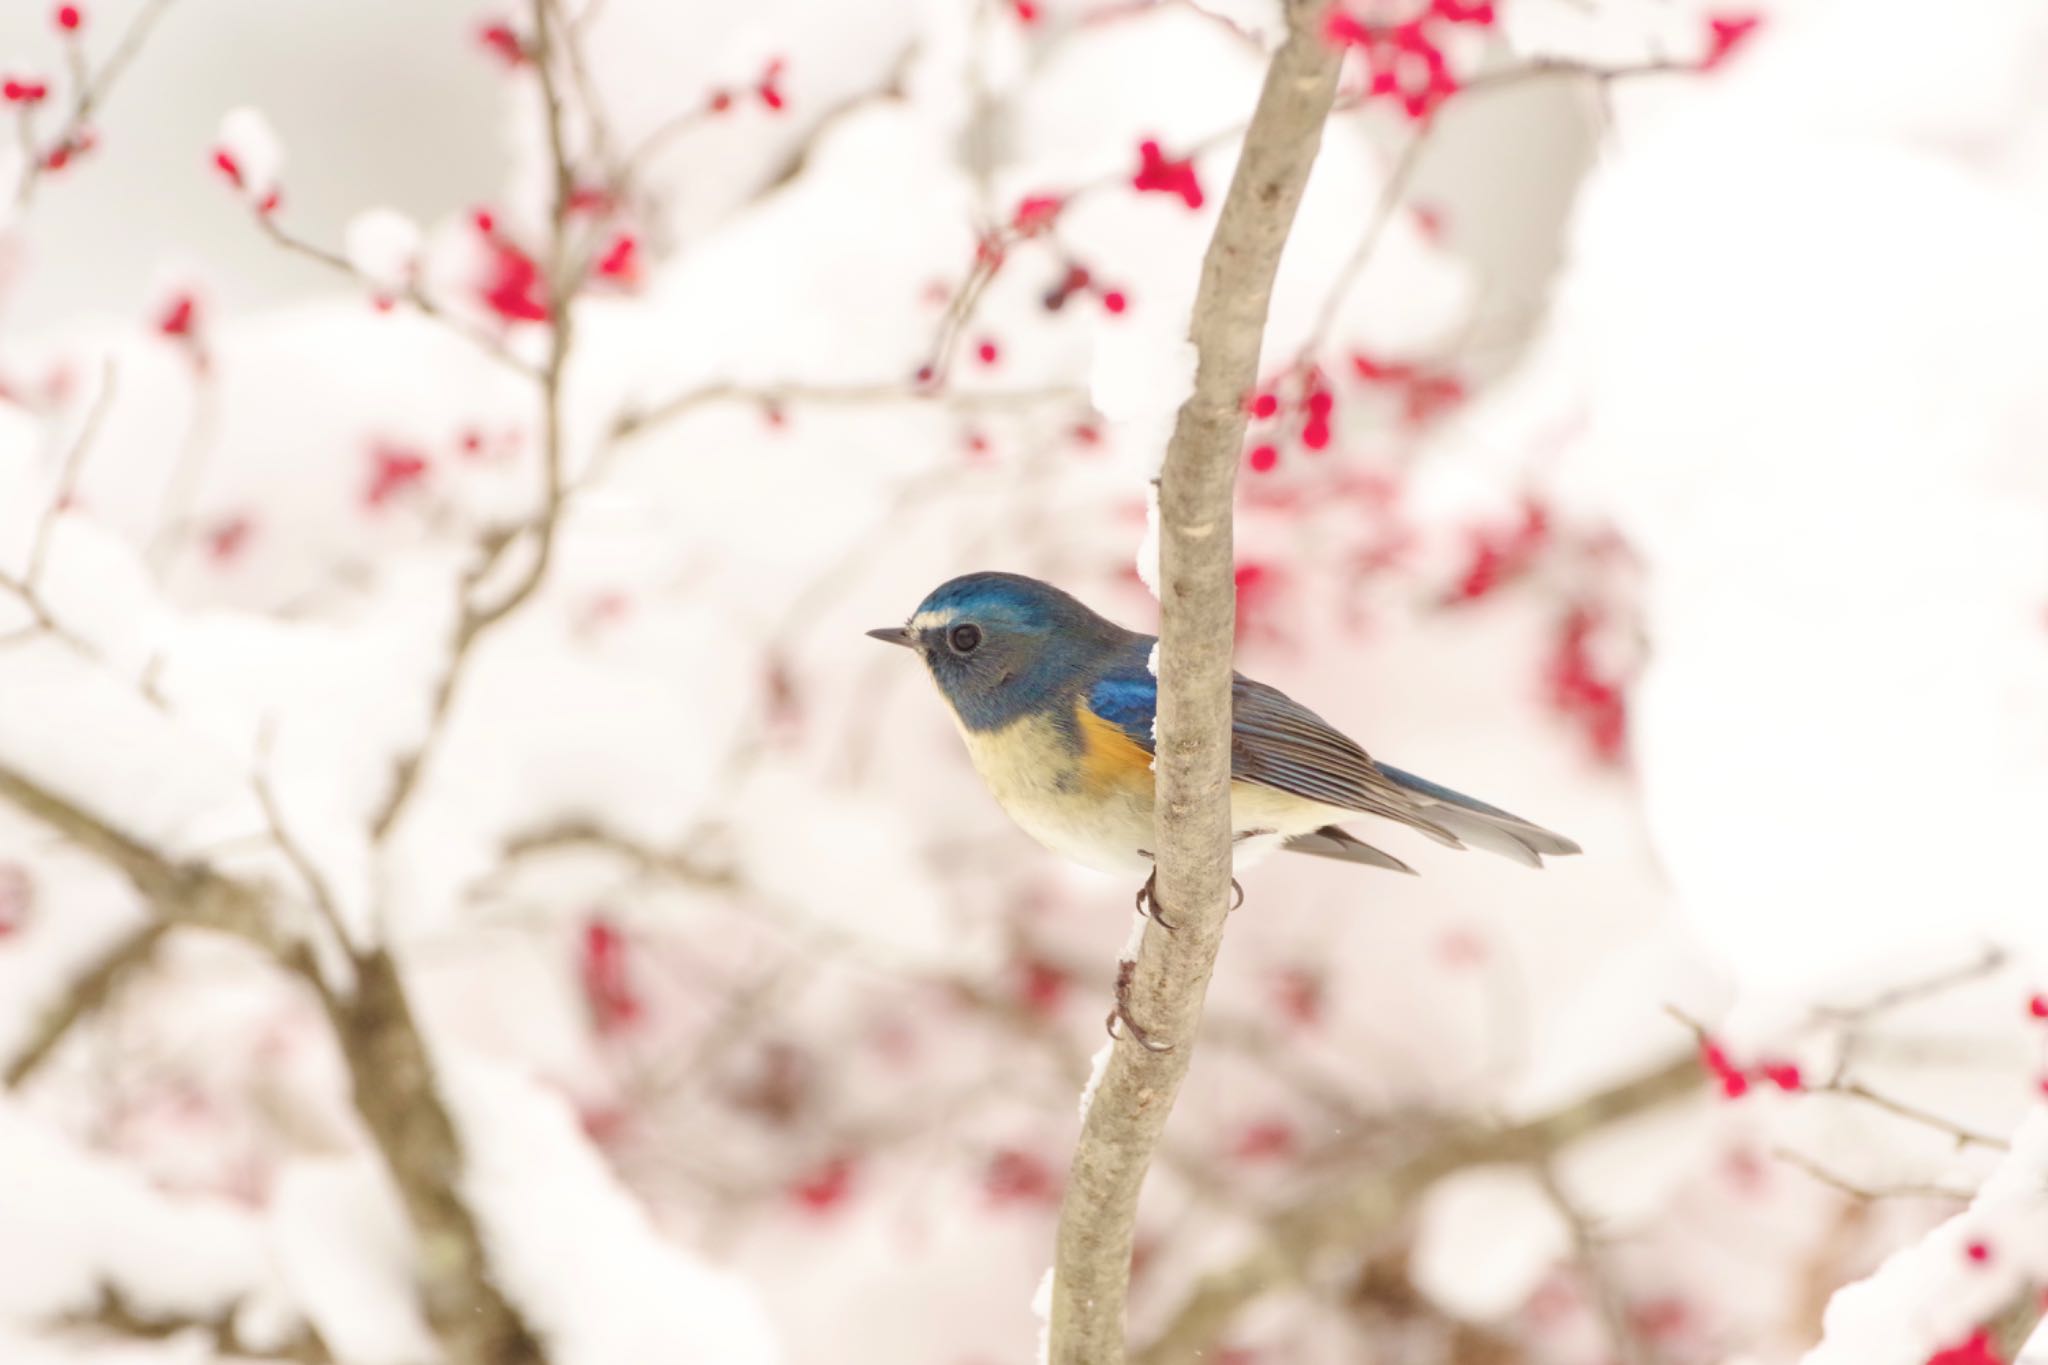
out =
column 86, row 996
column 1987, row 963
column 1609, row 1299
column 1391, row 194
column 411, row 294
column 1964, row 1137
column 636, row 422
column 563, row 275
column 1868, row 1194
column 317, row 885
column 1124, row 1123
column 68, row 475
column 89, row 94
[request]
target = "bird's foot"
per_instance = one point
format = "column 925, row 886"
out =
column 1148, row 904
column 1120, row 1013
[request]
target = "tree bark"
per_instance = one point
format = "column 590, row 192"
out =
column 1198, row 618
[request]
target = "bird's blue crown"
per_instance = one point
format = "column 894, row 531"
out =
column 1037, row 649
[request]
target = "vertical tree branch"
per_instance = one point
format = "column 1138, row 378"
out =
column 1197, row 599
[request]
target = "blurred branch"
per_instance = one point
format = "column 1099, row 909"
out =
column 564, row 275
column 1391, row 195
column 1867, row 1194
column 1987, row 963
column 88, row 92
column 637, row 421
column 87, row 995
column 412, row 295
column 68, row 475
column 113, row 1314
column 1609, row 1300
column 568, row 38
column 1964, row 1137
column 317, row 885
column 1349, row 1214
column 1192, row 881
column 389, row 1067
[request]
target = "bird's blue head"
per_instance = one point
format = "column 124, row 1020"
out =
column 1001, row 645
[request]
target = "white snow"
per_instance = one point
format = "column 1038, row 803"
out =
column 247, row 138
column 628, row 1293
column 1098, row 1067
column 73, row 1220
column 1932, row 1294
column 384, row 247
column 1148, row 556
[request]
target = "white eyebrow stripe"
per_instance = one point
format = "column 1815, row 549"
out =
column 925, row 620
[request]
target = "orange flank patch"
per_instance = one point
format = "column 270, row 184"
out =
column 1109, row 757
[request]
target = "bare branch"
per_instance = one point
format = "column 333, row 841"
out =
column 1987, row 963
column 317, row 885
column 1123, row 1125
column 1964, row 1137
column 564, row 276
column 68, row 475
column 113, row 1314
column 1391, row 194
column 414, row 296
column 636, row 422
column 1867, row 1194
column 88, row 994
column 1349, row 1214
column 1608, row 1297
column 88, row 93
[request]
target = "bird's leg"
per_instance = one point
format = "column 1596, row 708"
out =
column 1148, row 903
column 1120, row 1013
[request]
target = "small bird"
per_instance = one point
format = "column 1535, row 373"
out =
column 1056, row 705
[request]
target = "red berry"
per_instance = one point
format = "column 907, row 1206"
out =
column 1263, row 459
column 1114, row 301
column 1264, row 406
column 68, row 18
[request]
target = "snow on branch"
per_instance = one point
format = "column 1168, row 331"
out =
column 387, row 1057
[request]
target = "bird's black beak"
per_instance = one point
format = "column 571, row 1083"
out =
column 894, row 635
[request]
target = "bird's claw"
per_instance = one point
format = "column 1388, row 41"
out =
column 1148, row 901
column 1148, row 904
column 1120, row 1012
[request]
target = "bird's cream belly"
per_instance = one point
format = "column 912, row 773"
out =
column 1044, row 786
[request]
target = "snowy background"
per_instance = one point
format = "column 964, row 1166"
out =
column 1653, row 444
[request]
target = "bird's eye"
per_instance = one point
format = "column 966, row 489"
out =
column 964, row 639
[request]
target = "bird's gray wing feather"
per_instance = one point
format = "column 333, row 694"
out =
column 1277, row 742
column 1332, row 842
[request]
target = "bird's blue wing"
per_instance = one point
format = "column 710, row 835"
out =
column 1128, row 698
